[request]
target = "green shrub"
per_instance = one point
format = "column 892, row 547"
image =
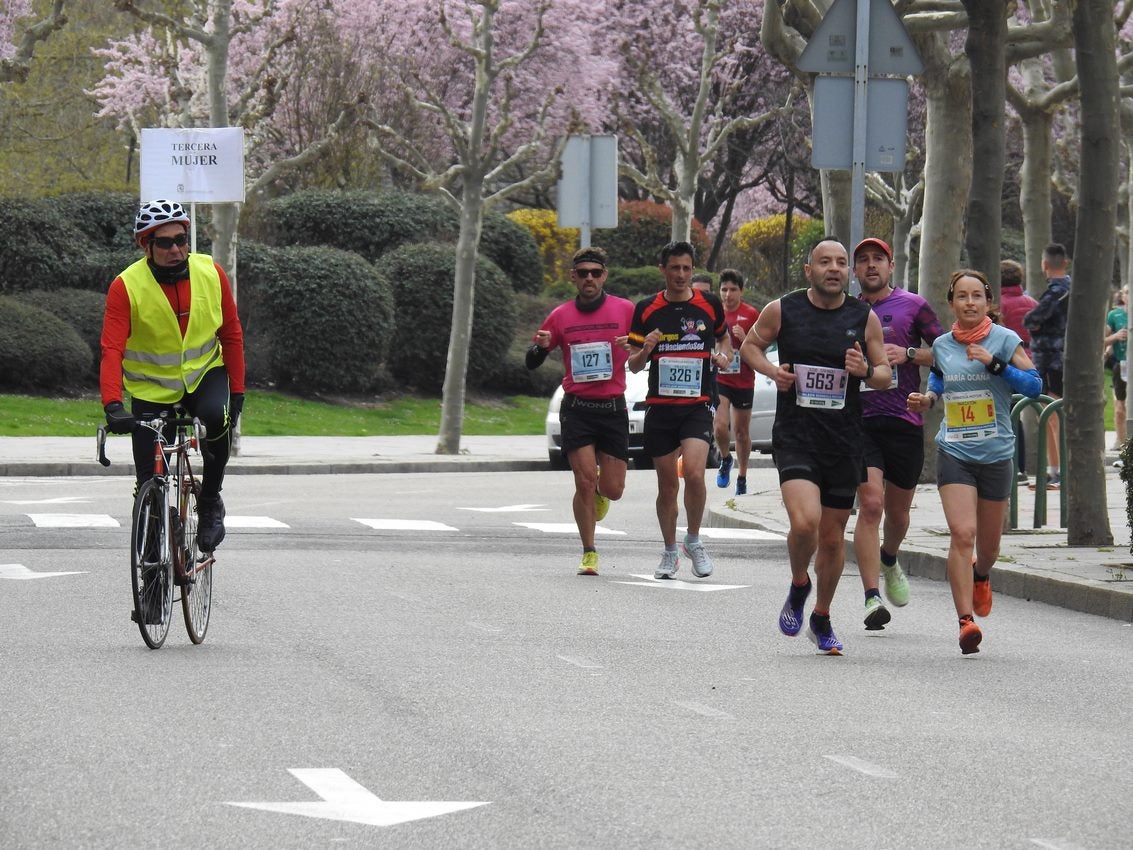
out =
column 556, row 245
column 80, row 309
column 644, row 228
column 39, row 351
column 107, row 218
column 423, row 277
column 512, row 377
column 38, row 246
column 635, row 284
column 95, row 269
column 372, row 224
column 319, row 319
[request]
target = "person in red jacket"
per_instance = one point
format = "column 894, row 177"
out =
column 171, row 336
column 1014, row 304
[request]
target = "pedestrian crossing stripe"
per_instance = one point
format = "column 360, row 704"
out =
column 74, row 521
column 563, row 528
column 404, row 524
column 232, row 521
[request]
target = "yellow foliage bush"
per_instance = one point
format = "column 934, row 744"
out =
column 556, row 244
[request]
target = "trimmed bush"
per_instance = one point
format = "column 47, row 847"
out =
column 96, row 269
column 644, row 228
column 39, row 351
column 107, row 218
column 80, row 309
column 38, row 246
column 635, row 284
column 556, row 245
column 317, row 319
column 423, row 278
column 372, row 224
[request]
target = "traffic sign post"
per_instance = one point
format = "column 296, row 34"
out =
column 868, row 40
column 588, row 190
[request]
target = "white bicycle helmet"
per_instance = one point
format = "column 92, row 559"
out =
column 156, row 213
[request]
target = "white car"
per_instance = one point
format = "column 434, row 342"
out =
column 637, row 386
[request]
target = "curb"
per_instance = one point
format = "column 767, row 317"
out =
column 45, row 469
column 1113, row 601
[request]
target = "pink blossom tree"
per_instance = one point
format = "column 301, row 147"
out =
column 19, row 34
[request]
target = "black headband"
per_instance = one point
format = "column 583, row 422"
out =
column 590, row 257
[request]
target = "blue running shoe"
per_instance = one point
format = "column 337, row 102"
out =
column 826, row 641
column 741, row 485
column 724, row 476
column 791, row 618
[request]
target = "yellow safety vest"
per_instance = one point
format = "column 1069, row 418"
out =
column 160, row 365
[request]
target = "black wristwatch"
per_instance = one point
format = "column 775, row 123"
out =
column 868, row 372
column 911, row 353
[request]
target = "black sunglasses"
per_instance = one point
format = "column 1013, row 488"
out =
column 585, row 273
column 167, row 242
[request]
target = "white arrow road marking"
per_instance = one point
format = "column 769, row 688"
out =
column 740, row 534
column 20, row 572
column 58, row 500
column 344, row 799
column 868, row 768
column 677, row 584
column 563, row 528
column 509, row 508
column 405, row 524
column 74, row 521
column 231, row 521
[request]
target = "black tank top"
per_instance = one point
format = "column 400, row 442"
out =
column 811, row 336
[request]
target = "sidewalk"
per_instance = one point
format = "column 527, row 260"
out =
column 1035, row 564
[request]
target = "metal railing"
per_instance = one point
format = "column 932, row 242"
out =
column 1049, row 407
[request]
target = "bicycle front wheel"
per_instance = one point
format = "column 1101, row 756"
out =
column 151, row 567
column 196, row 592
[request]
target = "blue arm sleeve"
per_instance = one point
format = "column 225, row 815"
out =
column 1024, row 381
column 935, row 383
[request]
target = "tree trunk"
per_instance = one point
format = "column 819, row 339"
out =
column 1094, row 39
column 225, row 216
column 460, row 335
column 985, row 49
column 1035, row 194
column 947, row 176
column 836, row 190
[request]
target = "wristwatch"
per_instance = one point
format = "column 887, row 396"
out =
column 911, row 353
column 868, row 371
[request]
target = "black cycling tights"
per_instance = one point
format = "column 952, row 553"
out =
column 209, row 403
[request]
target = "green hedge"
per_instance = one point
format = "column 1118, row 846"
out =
column 635, row 284
column 372, row 224
column 644, row 228
column 423, row 277
column 38, row 247
column 107, row 218
column 80, row 309
column 39, row 351
column 317, row 320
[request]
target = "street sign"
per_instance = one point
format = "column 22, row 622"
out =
column 195, row 165
column 832, row 48
column 588, row 190
column 886, row 124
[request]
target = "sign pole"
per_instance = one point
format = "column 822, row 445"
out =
column 861, row 99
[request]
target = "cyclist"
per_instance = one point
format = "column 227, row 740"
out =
column 171, row 335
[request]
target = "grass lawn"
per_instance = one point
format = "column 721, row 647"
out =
column 277, row 414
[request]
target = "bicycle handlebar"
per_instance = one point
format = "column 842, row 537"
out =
column 157, row 425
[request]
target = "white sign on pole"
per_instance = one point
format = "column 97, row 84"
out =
column 588, row 190
column 887, row 119
column 193, row 165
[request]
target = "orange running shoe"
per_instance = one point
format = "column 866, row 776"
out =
column 970, row 636
column 981, row 595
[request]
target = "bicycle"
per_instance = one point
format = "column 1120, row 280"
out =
column 163, row 533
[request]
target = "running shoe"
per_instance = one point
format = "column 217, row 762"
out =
column 981, row 596
column 896, row 585
column 826, row 641
column 670, row 562
column 741, row 485
column 601, row 506
column 210, row 522
column 790, row 617
column 876, row 614
column 701, row 563
column 725, row 474
column 970, row 636
column 589, row 565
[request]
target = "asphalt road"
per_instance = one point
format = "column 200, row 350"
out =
column 354, row 660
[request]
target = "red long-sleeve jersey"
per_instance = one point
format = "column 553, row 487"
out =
column 116, row 330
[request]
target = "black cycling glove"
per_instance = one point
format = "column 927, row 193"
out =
column 118, row 419
column 235, row 408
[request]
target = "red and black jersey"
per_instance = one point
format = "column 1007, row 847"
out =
column 679, row 365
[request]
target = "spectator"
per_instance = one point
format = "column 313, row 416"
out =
column 1116, row 333
column 1014, row 304
column 1047, row 324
